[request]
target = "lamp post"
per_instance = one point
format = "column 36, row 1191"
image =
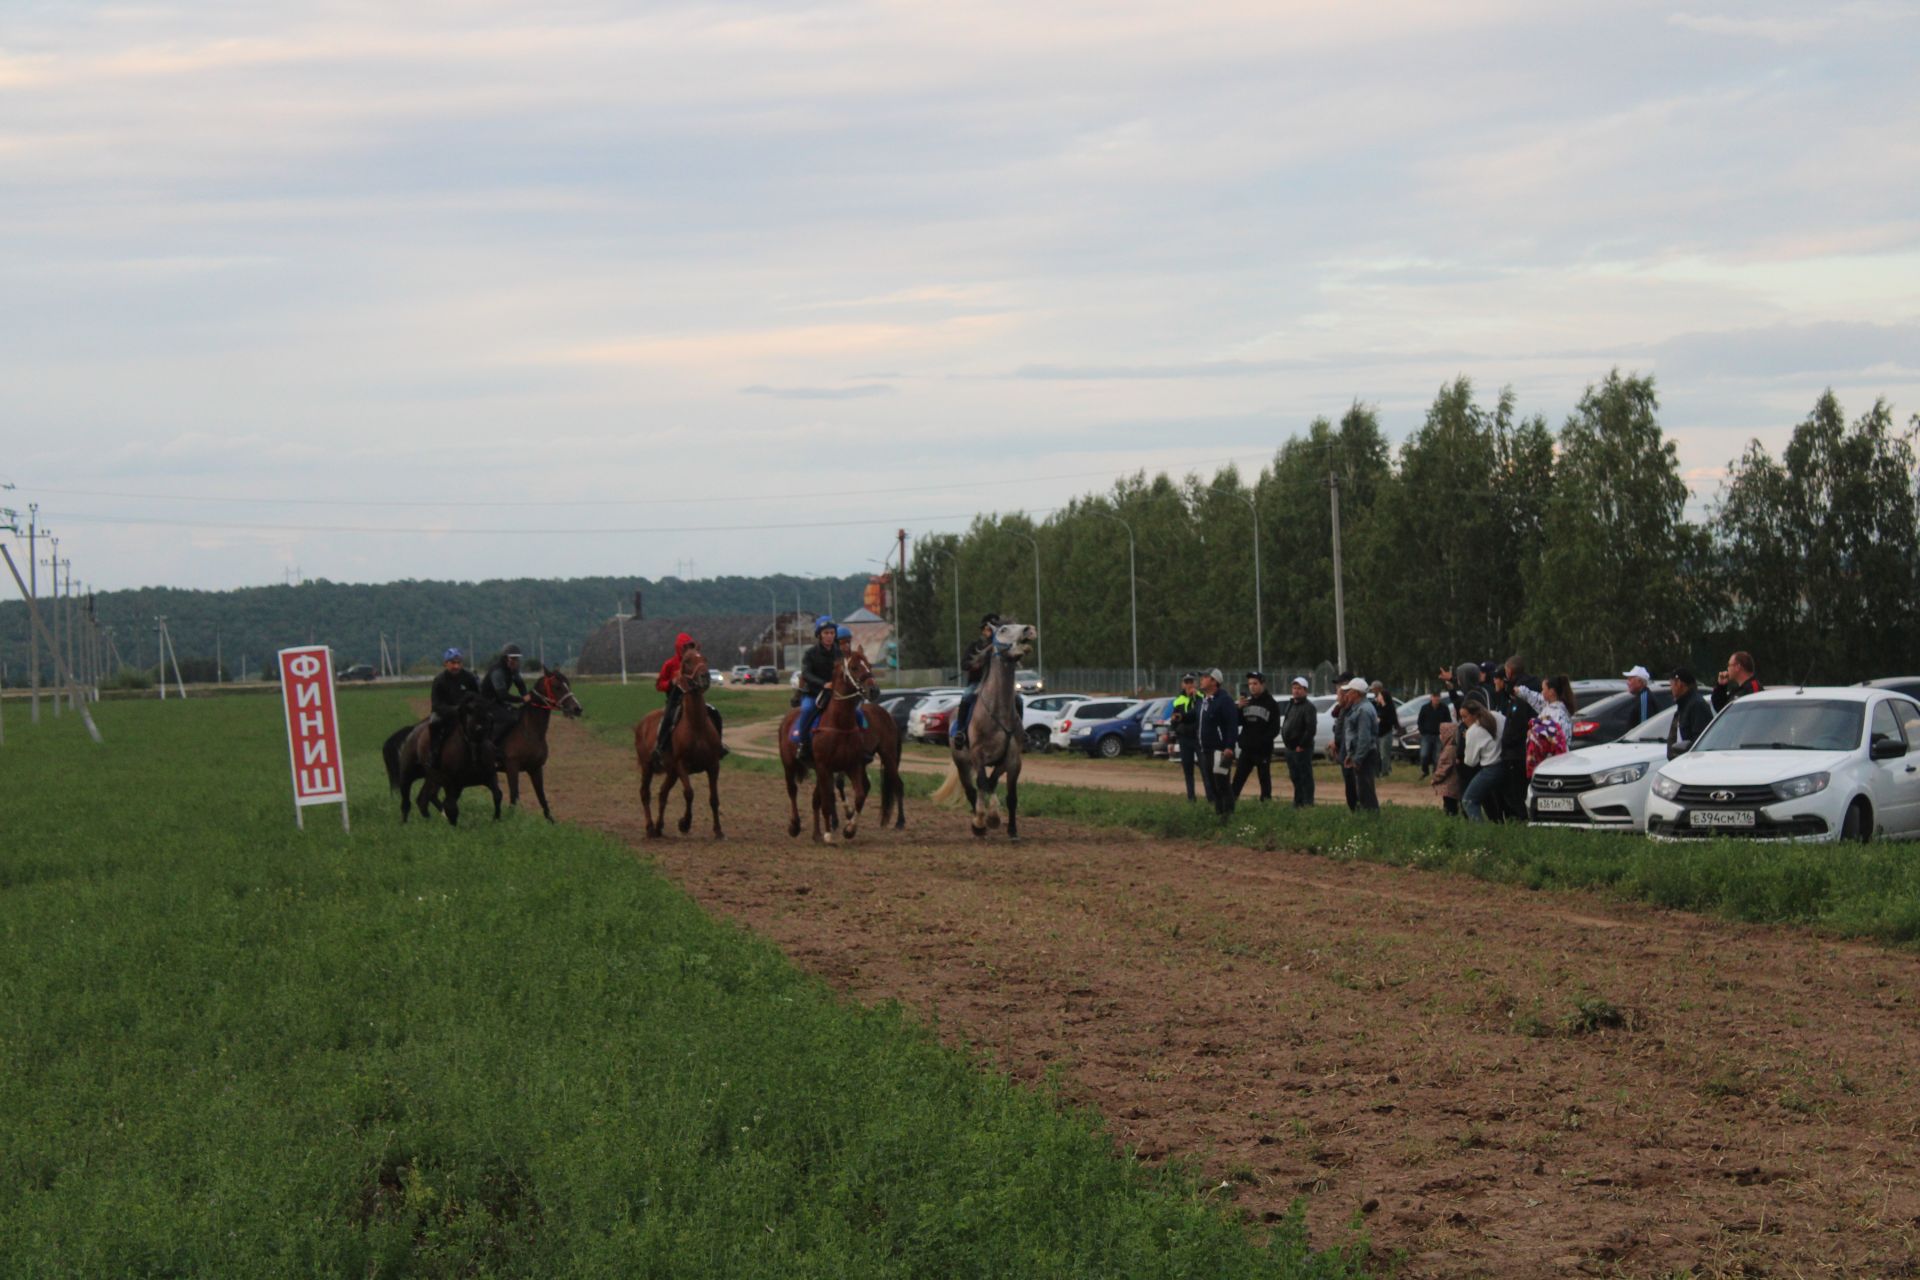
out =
column 1040, row 641
column 1133, row 593
column 773, row 640
column 1259, row 639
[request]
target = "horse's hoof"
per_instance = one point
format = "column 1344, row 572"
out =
column 684, row 827
column 719, row 835
column 993, row 822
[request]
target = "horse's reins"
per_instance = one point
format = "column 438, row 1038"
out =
column 833, row 695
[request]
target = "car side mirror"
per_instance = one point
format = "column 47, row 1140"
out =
column 1888, row 749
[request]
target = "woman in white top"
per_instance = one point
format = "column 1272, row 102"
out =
column 1481, row 756
column 1551, row 732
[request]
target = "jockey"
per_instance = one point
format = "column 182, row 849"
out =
column 667, row 684
column 816, row 678
column 973, row 668
column 504, row 688
column 454, row 685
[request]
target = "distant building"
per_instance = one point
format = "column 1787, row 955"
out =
column 870, row 632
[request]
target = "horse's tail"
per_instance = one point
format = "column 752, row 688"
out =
column 390, row 751
column 950, row 788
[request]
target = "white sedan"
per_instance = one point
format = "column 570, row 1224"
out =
column 1797, row 764
column 1601, row 788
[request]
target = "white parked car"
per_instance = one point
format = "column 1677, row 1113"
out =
column 1797, row 764
column 1040, row 714
column 1601, row 788
column 1089, row 709
column 1323, row 725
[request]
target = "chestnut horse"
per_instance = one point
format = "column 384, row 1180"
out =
column 883, row 744
column 839, row 754
column 466, row 760
column 693, row 748
column 524, row 749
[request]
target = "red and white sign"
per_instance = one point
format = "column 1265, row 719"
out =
column 313, row 728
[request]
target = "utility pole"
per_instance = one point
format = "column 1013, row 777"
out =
column 774, row 641
column 53, row 636
column 33, row 573
column 73, row 693
column 1339, row 588
column 900, row 611
column 1040, row 640
column 620, row 622
column 216, row 657
column 33, row 612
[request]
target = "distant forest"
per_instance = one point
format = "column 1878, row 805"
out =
column 253, row 622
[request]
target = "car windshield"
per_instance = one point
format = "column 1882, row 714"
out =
column 1785, row 724
column 1653, row 729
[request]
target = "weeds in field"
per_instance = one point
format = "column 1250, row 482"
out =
column 227, row 1048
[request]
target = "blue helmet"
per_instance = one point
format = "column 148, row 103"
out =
column 822, row 623
column 844, row 633
column 452, row 655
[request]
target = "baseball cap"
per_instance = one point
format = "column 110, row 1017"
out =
column 1219, row 676
column 1300, row 682
column 1257, row 675
column 1684, row 675
column 1356, row 685
column 1637, row 673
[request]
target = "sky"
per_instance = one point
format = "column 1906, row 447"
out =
column 468, row 288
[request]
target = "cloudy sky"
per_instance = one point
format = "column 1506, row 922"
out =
column 275, row 271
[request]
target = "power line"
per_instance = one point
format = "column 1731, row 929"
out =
column 520, row 532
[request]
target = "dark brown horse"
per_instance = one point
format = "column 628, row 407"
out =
column 883, row 744
column 693, row 747
column 839, row 754
column 466, row 760
column 524, row 749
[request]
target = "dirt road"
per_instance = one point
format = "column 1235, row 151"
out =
column 1497, row 1082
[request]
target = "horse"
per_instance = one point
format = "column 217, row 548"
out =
column 693, row 747
column 466, row 760
column 839, row 752
column 883, row 744
column 994, row 735
column 524, row 749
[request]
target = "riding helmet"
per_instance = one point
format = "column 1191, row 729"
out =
column 511, row 651
column 991, row 620
column 452, row 655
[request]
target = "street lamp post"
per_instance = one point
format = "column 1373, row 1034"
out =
column 1040, row 643
column 956, row 608
column 1259, row 638
column 1133, row 593
column 773, row 641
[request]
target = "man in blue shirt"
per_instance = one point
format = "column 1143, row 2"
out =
column 1219, row 735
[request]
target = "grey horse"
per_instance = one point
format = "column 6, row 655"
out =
column 994, row 735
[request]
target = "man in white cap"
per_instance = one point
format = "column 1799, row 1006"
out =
column 1298, row 729
column 1357, row 737
column 1638, row 684
column 1219, row 735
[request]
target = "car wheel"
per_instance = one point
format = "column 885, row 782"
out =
column 1857, row 826
column 1111, row 746
column 1036, row 739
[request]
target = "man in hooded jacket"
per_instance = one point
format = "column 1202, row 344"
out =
column 668, row 683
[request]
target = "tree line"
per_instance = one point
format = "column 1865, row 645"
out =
column 1485, row 533
column 427, row 616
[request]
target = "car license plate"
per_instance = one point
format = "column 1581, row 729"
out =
column 1556, row 804
column 1722, row 817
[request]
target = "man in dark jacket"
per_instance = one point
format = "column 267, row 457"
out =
column 505, row 690
column 1513, row 738
column 1639, row 682
column 1259, row 726
column 453, row 686
column 1691, row 713
column 668, row 682
column 1219, row 735
column 1432, row 714
column 816, row 678
column 1297, row 733
column 1184, row 718
column 973, row 669
column 1737, row 681
column 1356, row 741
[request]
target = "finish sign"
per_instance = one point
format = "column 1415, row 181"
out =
column 313, row 730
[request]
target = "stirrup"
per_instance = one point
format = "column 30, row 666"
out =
column 958, row 741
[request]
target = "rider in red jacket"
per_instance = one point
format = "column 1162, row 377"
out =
column 669, row 672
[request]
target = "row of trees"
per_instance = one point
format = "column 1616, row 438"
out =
column 1486, row 532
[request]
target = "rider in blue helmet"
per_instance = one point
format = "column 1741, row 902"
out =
column 454, row 685
column 972, row 668
column 816, row 677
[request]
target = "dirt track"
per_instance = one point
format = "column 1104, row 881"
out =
column 1387, row 1043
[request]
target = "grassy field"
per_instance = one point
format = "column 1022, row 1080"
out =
column 227, row 1048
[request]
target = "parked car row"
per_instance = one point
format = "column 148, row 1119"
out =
column 741, row 673
column 1819, row 764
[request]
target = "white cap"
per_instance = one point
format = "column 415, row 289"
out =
column 1301, row 681
column 1637, row 673
column 1219, row 676
column 1356, row 685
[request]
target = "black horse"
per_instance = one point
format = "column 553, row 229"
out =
column 466, row 760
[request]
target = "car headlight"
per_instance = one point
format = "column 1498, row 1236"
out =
column 1622, row 776
column 1666, row 788
column 1804, row 785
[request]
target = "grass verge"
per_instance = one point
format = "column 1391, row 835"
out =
column 228, row 1048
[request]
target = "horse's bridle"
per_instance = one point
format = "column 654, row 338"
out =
column 544, row 701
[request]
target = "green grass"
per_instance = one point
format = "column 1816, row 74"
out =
column 228, row 1048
